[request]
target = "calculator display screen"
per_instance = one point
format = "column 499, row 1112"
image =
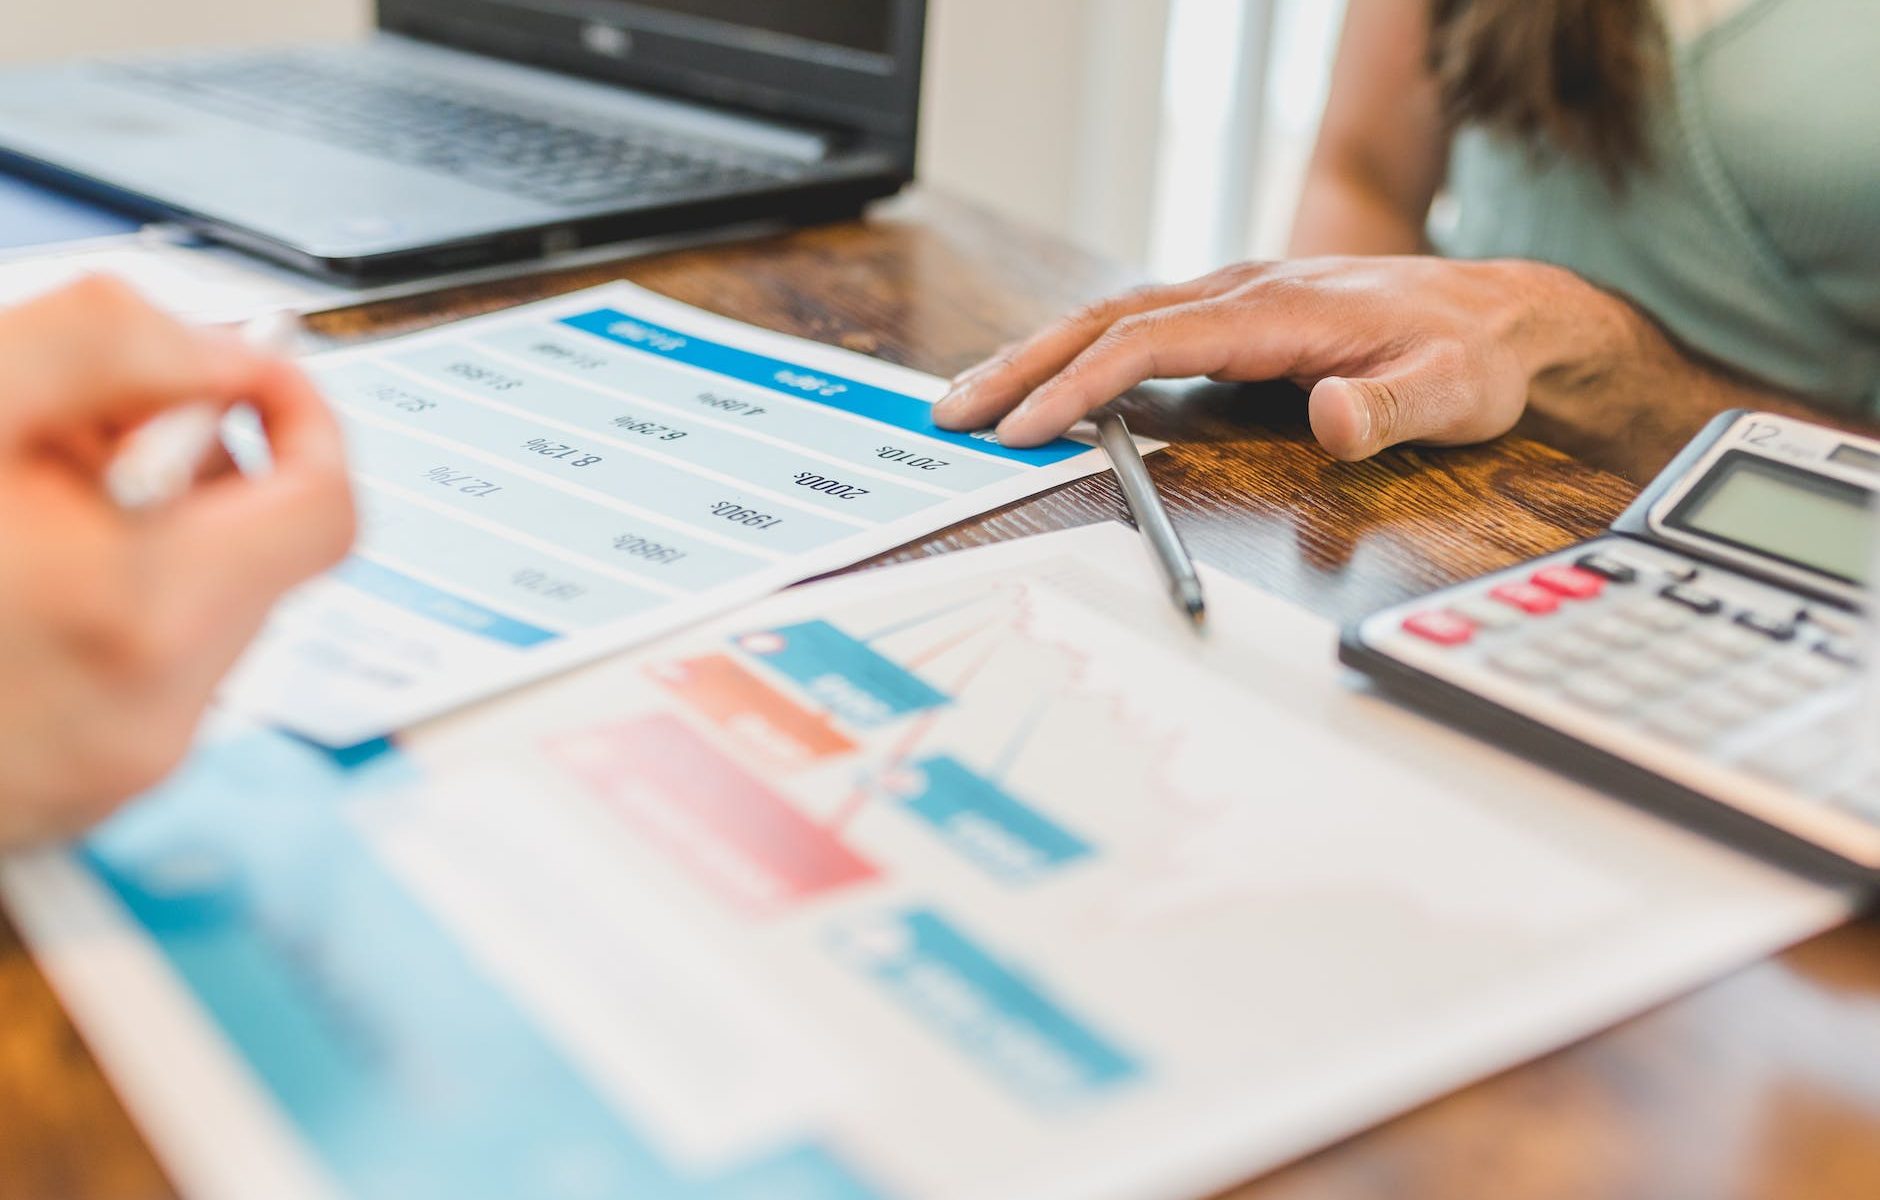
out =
column 1783, row 512
column 1854, row 456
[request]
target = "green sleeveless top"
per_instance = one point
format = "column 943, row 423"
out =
column 1754, row 234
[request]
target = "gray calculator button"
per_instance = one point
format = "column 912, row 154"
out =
column 1599, row 693
column 1574, row 648
column 1659, row 616
column 1767, row 691
column 1687, row 657
column 1721, row 708
column 1607, row 566
column 1810, row 670
column 1646, row 677
column 1487, row 614
column 1681, row 572
column 1731, row 641
column 1781, row 627
column 1695, row 599
column 1617, row 632
column 1679, row 724
column 1840, row 650
column 1524, row 662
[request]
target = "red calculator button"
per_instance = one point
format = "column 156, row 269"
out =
column 1574, row 583
column 1443, row 628
column 1527, row 597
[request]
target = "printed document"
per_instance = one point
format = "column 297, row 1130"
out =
column 549, row 483
column 979, row 878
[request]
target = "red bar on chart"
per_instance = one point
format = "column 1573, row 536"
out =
column 745, row 708
column 740, row 838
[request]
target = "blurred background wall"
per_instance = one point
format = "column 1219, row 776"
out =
column 1166, row 133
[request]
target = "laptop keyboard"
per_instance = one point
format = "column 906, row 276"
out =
column 478, row 135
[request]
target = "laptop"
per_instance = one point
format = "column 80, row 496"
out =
column 468, row 132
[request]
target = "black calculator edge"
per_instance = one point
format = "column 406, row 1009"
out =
column 1550, row 748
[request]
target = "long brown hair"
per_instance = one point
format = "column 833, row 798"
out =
column 1575, row 76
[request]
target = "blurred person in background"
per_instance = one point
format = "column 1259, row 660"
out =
column 1657, row 211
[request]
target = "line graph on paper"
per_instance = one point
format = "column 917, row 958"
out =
column 795, row 758
column 1019, row 722
column 998, row 787
column 1006, row 727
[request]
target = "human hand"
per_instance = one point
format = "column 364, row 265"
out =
column 1393, row 349
column 116, row 626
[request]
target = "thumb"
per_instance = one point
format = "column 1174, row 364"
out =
column 1355, row 418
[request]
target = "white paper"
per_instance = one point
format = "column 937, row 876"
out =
column 536, row 494
column 1231, row 907
column 200, row 284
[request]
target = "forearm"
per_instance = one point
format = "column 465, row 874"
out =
column 1610, row 386
column 1339, row 213
column 1383, row 143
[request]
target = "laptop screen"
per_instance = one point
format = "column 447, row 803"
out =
column 780, row 26
column 853, row 63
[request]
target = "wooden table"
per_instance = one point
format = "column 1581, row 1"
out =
column 1764, row 1084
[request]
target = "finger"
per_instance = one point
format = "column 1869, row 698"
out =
column 1202, row 338
column 95, row 351
column 1351, row 416
column 1354, row 418
column 986, row 392
column 223, row 553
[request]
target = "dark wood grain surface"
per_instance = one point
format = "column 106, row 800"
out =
column 1766, row 1084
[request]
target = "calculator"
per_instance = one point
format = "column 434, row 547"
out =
column 1703, row 656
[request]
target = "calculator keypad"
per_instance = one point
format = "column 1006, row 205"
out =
column 1696, row 599
column 1575, row 583
column 1634, row 637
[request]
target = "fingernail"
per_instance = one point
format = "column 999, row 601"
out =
column 953, row 401
column 1008, row 436
column 1363, row 406
column 1360, row 410
column 1013, row 420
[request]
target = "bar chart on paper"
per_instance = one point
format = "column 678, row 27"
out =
column 957, row 720
column 941, row 882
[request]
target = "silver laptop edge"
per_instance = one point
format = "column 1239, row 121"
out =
column 327, row 207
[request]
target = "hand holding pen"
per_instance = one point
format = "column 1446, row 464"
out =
column 117, row 622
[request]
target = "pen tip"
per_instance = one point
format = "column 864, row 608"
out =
column 1197, row 612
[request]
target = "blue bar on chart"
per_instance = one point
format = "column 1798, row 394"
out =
column 844, row 675
column 987, row 1011
column 983, row 822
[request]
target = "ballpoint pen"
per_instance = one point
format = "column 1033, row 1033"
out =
column 1145, row 505
column 1867, row 729
column 159, row 461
